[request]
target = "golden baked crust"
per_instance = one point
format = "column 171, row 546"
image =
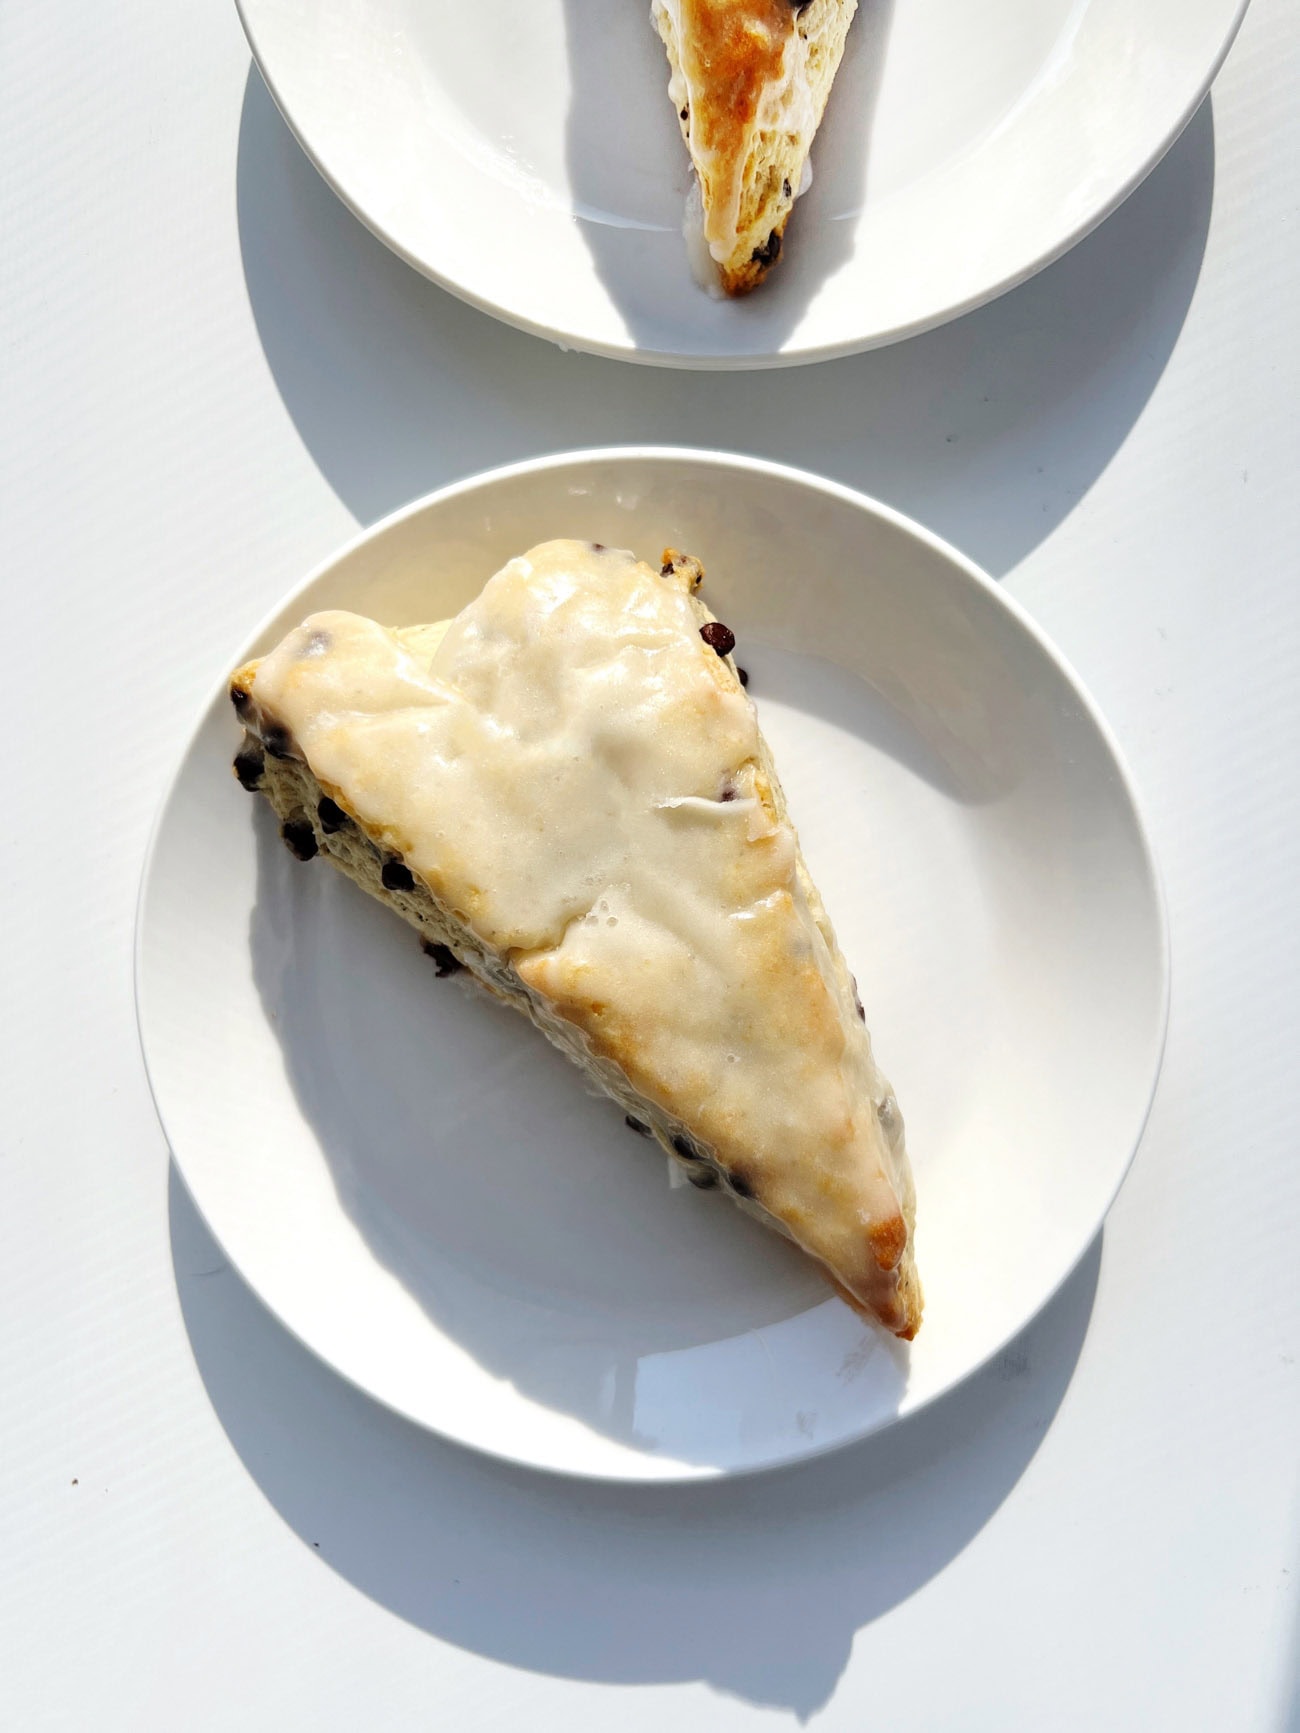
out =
column 749, row 81
column 672, row 943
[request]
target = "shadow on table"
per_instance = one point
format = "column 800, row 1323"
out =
column 989, row 430
column 1288, row 1707
column 756, row 1586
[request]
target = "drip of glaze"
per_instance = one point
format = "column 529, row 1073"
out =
column 703, row 266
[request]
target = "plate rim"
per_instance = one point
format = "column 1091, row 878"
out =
column 769, row 360
column 670, row 1471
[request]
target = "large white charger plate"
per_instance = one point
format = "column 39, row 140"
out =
column 421, row 1189
column 523, row 154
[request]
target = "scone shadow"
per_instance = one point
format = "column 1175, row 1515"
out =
column 530, row 1225
column 644, row 265
column 757, row 1587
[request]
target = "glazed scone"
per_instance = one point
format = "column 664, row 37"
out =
column 749, row 81
column 565, row 789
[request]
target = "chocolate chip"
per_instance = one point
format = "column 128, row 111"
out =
column 704, row 1178
column 598, row 547
column 740, row 1185
column 250, row 762
column 331, row 815
column 277, row 740
column 785, row 189
column 447, row 960
column 636, row 1125
column 862, row 1015
column 742, row 674
column 769, row 252
column 728, row 793
column 684, row 114
column 686, row 1149
column 301, row 838
column 719, row 637
column 241, row 699
column 395, row 875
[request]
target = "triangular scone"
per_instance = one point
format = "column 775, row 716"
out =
column 749, row 82
column 566, row 790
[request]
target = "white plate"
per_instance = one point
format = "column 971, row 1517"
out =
column 524, row 155
column 418, row 1185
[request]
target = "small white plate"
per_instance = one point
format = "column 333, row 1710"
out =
column 524, row 155
column 419, row 1186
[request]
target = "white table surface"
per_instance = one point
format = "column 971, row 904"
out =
column 210, row 374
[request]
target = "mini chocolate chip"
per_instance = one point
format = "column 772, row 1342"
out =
column 250, row 762
column 241, row 699
column 740, row 1185
column 331, row 815
column 636, row 1125
column 742, row 674
column 728, row 793
column 447, row 960
column 598, row 547
column 277, row 740
column 684, row 113
column 704, row 1178
column 862, row 1015
column 395, row 875
column 300, row 836
column 769, row 252
column 719, row 637
column 785, row 189
column 666, row 570
column 686, row 1149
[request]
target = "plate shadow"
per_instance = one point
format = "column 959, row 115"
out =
column 757, row 1586
column 988, row 430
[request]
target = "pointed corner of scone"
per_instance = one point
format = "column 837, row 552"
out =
column 749, row 80
column 740, row 275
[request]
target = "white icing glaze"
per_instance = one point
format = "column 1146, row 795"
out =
column 579, row 776
column 535, row 760
column 703, row 266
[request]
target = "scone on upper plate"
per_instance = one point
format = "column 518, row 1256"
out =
column 749, row 81
column 565, row 789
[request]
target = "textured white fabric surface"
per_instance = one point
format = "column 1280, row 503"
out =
column 210, row 374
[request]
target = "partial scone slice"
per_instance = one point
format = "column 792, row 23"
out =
column 566, row 789
column 750, row 79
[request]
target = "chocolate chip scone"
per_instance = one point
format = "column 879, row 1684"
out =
column 565, row 790
column 749, row 81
